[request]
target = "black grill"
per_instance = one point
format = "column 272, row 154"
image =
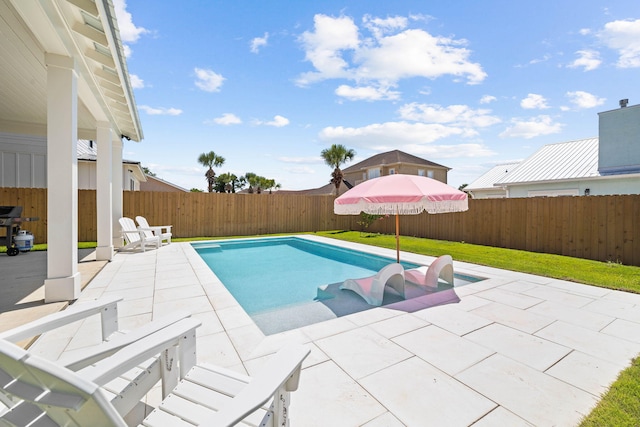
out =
column 11, row 218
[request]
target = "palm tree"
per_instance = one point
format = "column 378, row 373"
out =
column 228, row 183
column 335, row 156
column 210, row 160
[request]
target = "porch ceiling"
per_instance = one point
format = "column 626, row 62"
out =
column 83, row 29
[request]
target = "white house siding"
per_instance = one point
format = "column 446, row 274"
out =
column 619, row 150
column 23, row 161
column 23, row 164
column 597, row 187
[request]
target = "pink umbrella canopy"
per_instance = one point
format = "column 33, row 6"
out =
column 400, row 195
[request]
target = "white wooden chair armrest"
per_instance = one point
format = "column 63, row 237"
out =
column 282, row 372
column 101, row 351
column 106, row 306
column 130, row 356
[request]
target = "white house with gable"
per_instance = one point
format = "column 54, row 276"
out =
column 607, row 165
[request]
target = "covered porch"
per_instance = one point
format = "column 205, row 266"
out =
column 63, row 77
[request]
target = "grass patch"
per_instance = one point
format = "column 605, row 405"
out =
column 619, row 407
column 603, row 274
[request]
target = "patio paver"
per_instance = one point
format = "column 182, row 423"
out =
column 516, row 349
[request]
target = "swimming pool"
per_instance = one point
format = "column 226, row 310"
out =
column 276, row 280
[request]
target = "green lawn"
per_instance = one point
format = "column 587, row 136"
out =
column 620, row 406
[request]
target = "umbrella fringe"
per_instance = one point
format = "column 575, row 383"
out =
column 441, row 206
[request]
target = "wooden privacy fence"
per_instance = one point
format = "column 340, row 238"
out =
column 604, row 228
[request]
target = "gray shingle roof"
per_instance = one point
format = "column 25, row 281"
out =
column 390, row 158
column 562, row 161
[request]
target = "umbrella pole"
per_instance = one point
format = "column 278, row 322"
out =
column 397, row 237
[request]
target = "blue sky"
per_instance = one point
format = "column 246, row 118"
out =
column 269, row 84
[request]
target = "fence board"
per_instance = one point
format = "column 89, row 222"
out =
column 601, row 227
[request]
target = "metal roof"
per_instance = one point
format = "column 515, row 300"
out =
column 493, row 175
column 562, row 161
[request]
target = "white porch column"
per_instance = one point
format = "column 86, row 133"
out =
column 116, row 173
column 104, row 204
column 63, row 278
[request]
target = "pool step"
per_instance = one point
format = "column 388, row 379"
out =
column 212, row 247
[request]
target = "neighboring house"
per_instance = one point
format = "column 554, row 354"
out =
column 609, row 164
column 483, row 187
column 393, row 162
column 389, row 163
column 156, row 184
column 320, row 191
column 23, row 164
column 132, row 174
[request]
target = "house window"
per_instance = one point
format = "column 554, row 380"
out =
column 430, row 174
column 132, row 185
column 420, row 172
column 392, row 171
column 373, row 173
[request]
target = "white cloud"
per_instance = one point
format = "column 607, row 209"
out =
column 160, row 111
column 451, row 151
column 387, row 134
column 366, row 93
column 583, row 99
column 226, row 119
column 278, row 121
column 623, row 36
column 129, row 32
column 300, row 170
column 416, row 138
column 336, row 50
column 534, row 101
column 208, row 80
column 136, row 82
column 535, row 126
column 259, row 42
column 323, row 47
column 317, row 159
column 589, row 59
column 487, row 99
column 379, row 26
column 456, row 115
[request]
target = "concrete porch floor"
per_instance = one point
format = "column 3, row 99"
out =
column 516, row 349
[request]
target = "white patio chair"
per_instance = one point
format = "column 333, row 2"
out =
column 41, row 391
column 372, row 288
column 138, row 382
column 441, row 267
column 155, row 230
column 135, row 237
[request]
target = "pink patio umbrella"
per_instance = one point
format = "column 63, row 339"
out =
column 400, row 195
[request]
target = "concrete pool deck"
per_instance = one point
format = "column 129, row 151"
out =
column 516, row 349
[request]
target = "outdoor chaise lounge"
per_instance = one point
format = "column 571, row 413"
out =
column 35, row 391
column 164, row 231
column 135, row 237
column 372, row 288
column 107, row 340
column 441, row 267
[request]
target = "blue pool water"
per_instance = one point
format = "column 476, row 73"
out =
column 276, row 280
column 267, row 274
